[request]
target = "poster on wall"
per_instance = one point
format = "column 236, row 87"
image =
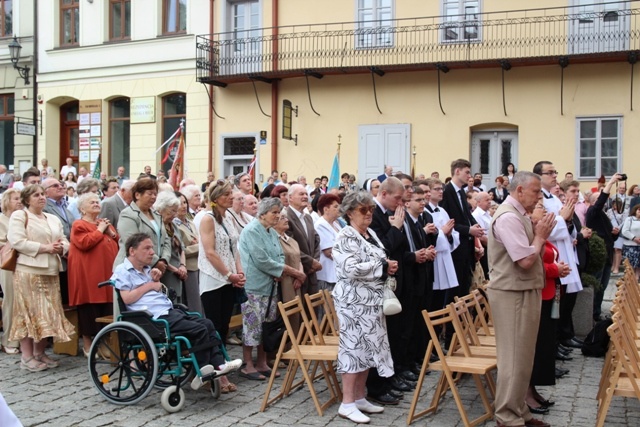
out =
column 84, row 156
column 94, row 155
column 84, row 143
column 84, row 119
column 90, row 130
column 96, row 118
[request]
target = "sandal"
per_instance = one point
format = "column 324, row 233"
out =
column 228, row 388
column 46, row 360
column 255, row 376
column 32, row 365
column 11, row 350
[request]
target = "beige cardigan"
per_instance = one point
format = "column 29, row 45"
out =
column 27, row 242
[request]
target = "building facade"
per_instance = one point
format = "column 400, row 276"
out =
column 17, row 94
column 421, row 83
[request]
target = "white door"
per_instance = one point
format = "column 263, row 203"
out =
column 381, row 145
column 599, row 27
column 491, row 152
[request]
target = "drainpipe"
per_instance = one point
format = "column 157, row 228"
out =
column 36, row 122
column 210, row 154
column 274, row 88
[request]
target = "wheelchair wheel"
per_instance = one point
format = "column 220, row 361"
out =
column 169, row 362
column 127, row 364
column 172, row 399
column 215, row 388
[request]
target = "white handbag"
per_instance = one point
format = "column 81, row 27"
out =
column 390, row 303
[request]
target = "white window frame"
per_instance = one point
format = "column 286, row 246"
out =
column 382, row 39
column 460, row 22
column 598, row 140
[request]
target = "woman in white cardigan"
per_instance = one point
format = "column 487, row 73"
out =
column 37, row 308
column 631, row 235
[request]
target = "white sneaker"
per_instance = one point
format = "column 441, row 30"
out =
column 369, row 407
column 196, row 383
column 232, row 365
column 353, row 414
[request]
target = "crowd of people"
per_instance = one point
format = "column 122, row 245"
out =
column 227, row 247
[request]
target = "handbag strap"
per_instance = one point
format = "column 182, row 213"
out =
column 273, row 287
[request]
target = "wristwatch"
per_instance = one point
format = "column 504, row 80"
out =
column 226, row 276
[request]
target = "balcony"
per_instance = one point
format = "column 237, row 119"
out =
column 594, row 33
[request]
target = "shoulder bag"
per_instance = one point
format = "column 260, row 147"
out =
column 272, row 332
column 8, row 255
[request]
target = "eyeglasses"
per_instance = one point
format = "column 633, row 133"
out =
column 366, row 209
column 438, row 189
column 550, row 173
column 54, row 186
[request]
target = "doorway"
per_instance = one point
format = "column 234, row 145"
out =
column 491, row 151
column 237, row 154
column 381, row 145
column 69, row 133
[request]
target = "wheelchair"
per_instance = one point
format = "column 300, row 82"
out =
column 136, row 353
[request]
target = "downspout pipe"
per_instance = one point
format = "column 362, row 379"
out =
column 36, row 122
column 210, row 144
column 274, row 87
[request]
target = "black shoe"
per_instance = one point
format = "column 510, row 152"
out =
column 546, row 402
column 565, row 348
column 573, row 343
column 540, row 411
column 398, row 384
column 561, row 372
column 563, row 352
column 416, row 368
column 434, row 358
column 560, row 356
column 407, row 376
column 397, row 394
column 383, row 399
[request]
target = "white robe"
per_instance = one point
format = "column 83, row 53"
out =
column 444, row 270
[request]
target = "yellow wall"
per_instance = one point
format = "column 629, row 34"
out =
column 470, row 98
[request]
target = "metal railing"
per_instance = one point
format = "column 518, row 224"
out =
column 402, row 43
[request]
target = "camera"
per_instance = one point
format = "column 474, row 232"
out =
column 623, row 176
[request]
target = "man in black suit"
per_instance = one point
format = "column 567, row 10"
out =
column 421, row 235
column 147, row 173
column 112, row 206
column 388, row 171
column 454, row 201
column 388, row 224
column 599, row 222
column 57, row 205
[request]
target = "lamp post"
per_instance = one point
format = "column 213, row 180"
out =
column 14, row 51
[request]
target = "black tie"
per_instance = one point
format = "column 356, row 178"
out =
column 437, row 209
column 547, row 197
column 463, row 200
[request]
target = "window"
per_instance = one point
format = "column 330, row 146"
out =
column 599, row 146
column 6, row 129
column 375, row 23
column 69, row 22
column 175, row 17
column 119, row 135
column 174, row 111
column 6, row 18
column 119, row 20
column 461, row 21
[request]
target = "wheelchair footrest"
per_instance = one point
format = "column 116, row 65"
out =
column 209, row 377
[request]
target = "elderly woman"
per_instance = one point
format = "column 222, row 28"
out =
column 37, row 306
column 361, row 270
column 167, row 205
column 189, row 237
column 289, row 287
column 10, row 203
column 140, row 218
column 327, row 228
column 236, row 211
column 87, row 185
column 194, row 199
column 94, row 246
column 263, row 261
column 499, row 192
column 631, row 238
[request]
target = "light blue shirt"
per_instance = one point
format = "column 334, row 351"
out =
column 127, row 278
column 261, row 256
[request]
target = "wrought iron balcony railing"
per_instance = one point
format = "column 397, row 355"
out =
column 589, row 33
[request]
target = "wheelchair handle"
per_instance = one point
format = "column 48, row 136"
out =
column 107, row 283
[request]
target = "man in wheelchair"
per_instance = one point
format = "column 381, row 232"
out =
column 140, row 290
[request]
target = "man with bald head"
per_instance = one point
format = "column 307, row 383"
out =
column 302, row 230
column 483, row 218
column 250, row 205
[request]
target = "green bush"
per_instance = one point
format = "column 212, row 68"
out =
column 597, row 254
column 589, row 281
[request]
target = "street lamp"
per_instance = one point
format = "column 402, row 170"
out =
column 14, row 51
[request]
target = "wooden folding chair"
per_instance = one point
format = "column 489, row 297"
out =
column 330, row 313
column 303, row 351
column 483, row 316
column 478, row 323
column 323, row 331
column 448, row 365
column 465, row 333
column 625, row 361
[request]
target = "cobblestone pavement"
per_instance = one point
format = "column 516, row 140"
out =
column 65, row 396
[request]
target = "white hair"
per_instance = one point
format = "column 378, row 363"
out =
column 127, row 184
column 189, row 191
column 166, row 200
